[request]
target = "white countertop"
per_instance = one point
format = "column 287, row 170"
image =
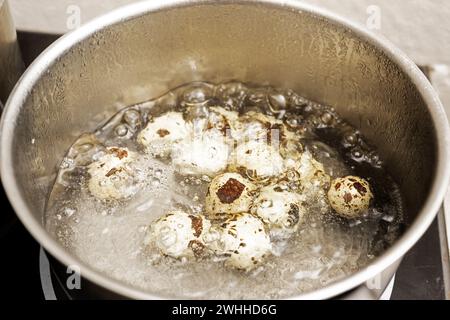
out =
column 420, row 27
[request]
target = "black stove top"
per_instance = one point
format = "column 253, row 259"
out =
column 420, row 275
column 20, row 256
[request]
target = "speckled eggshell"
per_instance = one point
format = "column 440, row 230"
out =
column 228, row 193
column 350, row 196
column 179, row 234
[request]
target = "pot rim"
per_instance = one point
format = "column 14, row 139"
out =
column 61, row 46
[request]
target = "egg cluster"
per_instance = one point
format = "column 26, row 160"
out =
column 261, row 181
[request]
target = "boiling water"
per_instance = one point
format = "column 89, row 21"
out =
column 109, row 235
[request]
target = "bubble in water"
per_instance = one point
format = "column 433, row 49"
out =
column 67, row 163
column 195, row 96
column 85, row 147
column 132, row 117
column 277, row 101
column 326, row 118
column 231, row 94
column 351, row 138
column 256, row 98
column 69, row 212
column 388, row 218
column 121, row 130
column 354, row 223
column 292, row 122
column 97, row 156
column 206, row 178
column 298, row 101
column 357, row 153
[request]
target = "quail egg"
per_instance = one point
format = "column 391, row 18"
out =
column 228, row 193
column 350, row 196
column 111, row 178
column 281, row 210
column 258, row 157
column 160, row 134
column 258, row 126
column 179, row 234
column 206, row 153
column 311, row 172
column 244, row 241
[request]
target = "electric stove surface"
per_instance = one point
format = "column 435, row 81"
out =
column 28, row 273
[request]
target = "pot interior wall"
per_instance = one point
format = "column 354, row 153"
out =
column 143, row 57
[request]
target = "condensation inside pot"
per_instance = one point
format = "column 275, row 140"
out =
column 109, row 235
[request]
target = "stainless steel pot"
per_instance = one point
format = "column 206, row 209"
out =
column 144, row 49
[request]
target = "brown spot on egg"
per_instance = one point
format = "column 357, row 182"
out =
column 113, row 171
column 197, row 247
column 230, row 191
column 232, row 233
column 337, row 186
column 347, row 197
column 163, row 132
column 119, row 153
column 361, row 189
column 197, row 225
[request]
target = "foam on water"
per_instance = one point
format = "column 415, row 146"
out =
column 109, row 235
